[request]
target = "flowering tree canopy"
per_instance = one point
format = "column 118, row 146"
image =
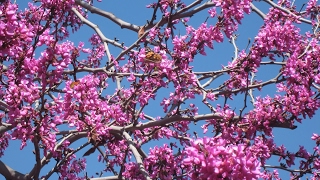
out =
column 113, row 100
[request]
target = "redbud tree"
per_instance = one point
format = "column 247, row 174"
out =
column 163, row 103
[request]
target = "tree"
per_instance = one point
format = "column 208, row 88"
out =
column 159, row 105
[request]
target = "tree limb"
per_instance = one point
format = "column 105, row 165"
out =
column 11, row 174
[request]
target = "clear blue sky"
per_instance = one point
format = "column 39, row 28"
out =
column 136, row 12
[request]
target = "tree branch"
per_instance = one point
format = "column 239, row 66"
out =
column 256, row 10
column 112, row 17
column 11, row 174
column 107, row 178
column 287, row 11
column 96, row 29
column 71, row 138
column 5, row 127
column 136, row 155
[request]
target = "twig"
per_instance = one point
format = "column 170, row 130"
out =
column 63, row 160
column 96, row 29
column 120, row 22
column 256, row 10
column 136, row 155
column 287, row 11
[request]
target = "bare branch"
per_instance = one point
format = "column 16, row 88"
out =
column 180, row 13
column 171, row 120
column 112, row 17
column 37, row 166
column 55, row 168
column 286, row 169
column 5, row 127
column 96, row 29
column 256, row 10
column 287, row 11
column 136, row 155
column 11, row 174
column 107, row 178
column 72, row 138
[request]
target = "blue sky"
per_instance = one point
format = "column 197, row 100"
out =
column 136, row 12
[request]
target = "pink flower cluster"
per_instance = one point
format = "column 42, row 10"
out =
column 215, row 158
column 160, row 163
column 4, row 142
column 15, row 34
column 72, row 170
